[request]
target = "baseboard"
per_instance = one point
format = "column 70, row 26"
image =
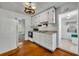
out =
column 67, row 52
column 10, row 52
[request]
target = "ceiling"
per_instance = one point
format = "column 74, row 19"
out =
column 13, row 6
column 19, row 7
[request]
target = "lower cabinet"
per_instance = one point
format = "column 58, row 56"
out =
column 48, row 41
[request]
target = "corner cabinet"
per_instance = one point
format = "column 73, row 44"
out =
column 47, row 15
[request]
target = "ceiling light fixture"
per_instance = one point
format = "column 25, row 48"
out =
column 29, row 8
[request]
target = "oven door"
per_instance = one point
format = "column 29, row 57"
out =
column 30, row 34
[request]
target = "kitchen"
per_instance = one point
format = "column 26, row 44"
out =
column 48, row 31
column 53, row 25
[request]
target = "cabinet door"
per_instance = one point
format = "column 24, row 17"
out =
column 52, row 15
column 34, row 20
column 37, row 19
column 43, row 16
column 46, row 40
column 35, row 37
column 43, row 39
column 54, row 41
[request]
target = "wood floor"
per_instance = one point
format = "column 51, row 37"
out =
column 31, row 49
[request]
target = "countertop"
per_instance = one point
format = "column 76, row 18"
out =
column 46, row 32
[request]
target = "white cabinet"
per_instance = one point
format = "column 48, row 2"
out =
column 54, row 41
column 44, row 16
column 51, row 15
column 46, row 40
column 36, row 20
column 48, row 15
column 33, row 20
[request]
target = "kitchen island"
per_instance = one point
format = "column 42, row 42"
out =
column 45, row 39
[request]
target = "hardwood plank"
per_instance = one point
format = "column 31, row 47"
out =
column 29, row 48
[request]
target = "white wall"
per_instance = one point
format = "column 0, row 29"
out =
column 27, row 26
column 8, row 32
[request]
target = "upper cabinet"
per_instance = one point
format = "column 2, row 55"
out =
column 51, row 15
column 45, row 16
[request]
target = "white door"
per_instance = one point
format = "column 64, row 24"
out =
column 68, row 31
